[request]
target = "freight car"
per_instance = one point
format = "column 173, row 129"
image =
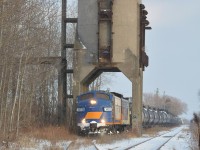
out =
column 101, row 111
column 155, row 116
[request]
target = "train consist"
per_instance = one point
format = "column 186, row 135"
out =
column 101, row 111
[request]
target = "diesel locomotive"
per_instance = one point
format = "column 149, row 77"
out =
column 102, row 111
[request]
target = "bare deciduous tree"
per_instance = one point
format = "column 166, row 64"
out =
column 169, row 103
column 30, row 30
column 101, row 81
column 28, row 90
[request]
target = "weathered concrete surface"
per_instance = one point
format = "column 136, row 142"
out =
column 88, row 24
column 126, row 38
column 125, row 28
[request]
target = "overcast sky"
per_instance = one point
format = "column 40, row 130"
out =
column 173, row 47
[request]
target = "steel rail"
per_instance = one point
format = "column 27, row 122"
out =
column 167, row 141
column 150, row 140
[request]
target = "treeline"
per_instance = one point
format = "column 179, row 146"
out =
column 28, row 89
column 169, row 103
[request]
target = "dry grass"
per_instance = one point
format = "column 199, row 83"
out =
column 27, row 143
column 5, row 139
column 32, row 137
column 194, row 131
column 24, row 141
column 105, row 139
column 50, row 133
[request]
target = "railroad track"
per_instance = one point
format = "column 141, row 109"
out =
column 159, row 141
column 167, row 141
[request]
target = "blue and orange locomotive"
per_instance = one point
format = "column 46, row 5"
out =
column 99, row 111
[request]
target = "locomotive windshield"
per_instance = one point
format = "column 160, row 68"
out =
column 87, row 96
column 98, row 95
column 102, row 96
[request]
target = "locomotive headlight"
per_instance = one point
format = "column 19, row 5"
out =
column 83, row 121
column 103, row 121
column 93, row 102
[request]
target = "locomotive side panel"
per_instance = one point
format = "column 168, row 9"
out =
column 125, row 112
column 117, row 109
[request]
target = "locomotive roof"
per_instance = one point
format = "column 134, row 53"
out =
column 119, row 95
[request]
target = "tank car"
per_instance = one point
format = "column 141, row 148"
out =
column 155, row 116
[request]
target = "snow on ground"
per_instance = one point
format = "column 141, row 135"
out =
column 35, row 144
column 158, row 141
column 182, row 141
column 121, row 145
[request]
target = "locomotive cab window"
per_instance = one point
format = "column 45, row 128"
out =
column 102, row 96
column 87, row 96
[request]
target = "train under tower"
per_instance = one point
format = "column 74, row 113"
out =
column 110, row 38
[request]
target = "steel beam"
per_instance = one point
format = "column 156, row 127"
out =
column 71, row 20
column 62, row 81
column 69, row 45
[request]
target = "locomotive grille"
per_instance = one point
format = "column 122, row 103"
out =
column 93, row 126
